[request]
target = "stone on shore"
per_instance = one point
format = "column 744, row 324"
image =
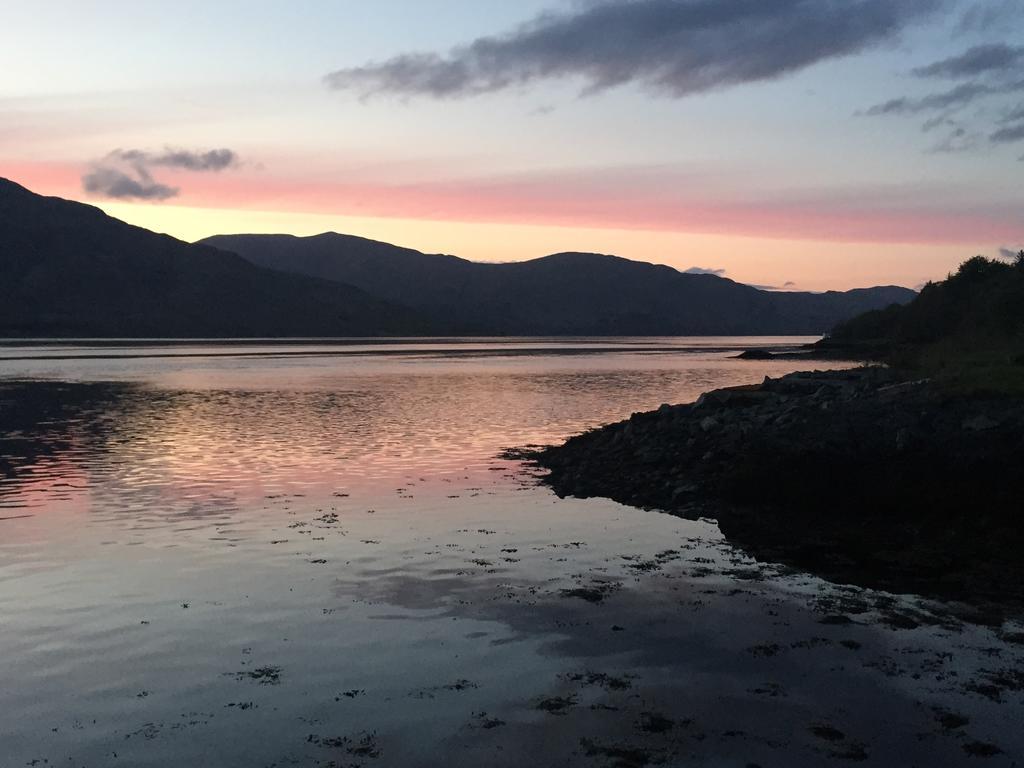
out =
column 862, row 475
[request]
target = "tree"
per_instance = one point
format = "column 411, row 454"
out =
column 976, row 269
column 1018, row 260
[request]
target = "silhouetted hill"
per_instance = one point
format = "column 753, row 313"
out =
column 567, row 293
column 974, row 318
column 983, row 299
column 68, row 269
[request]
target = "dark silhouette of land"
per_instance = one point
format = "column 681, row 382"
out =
column 859, row 476
column 967, row 330
column 563, row 294
column 70, row 270
column 905, row 477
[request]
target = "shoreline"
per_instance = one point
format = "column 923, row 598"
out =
column 867, row 476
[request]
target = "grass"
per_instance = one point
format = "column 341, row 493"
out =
column 965, row 366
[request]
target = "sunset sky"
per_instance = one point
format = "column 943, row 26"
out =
column 809, row 144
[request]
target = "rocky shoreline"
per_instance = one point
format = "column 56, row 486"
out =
column 867, row 476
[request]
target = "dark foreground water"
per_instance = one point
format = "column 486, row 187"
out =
column 310, row 555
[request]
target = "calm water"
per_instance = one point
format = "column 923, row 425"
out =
column 258, row 554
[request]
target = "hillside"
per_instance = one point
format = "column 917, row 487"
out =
column 567, row 293
column 969, row 325
column 71, row 270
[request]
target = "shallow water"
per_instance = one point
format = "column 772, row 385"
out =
column 309, row 554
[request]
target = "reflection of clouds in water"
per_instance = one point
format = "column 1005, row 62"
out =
column 717, row 644
column 427, row 592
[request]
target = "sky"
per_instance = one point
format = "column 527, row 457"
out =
column 797, row 144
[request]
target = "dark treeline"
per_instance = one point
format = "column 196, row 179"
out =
column 973, row 319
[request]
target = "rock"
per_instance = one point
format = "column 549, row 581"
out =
column 736, row 397
column 755, row 354
column 840, row 473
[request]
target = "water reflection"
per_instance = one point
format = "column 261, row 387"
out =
column 318, row 560
column 217, row 426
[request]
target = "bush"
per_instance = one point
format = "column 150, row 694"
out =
column 976, row 313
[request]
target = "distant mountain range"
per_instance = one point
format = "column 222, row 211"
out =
column 70, row 270
column 567, row 293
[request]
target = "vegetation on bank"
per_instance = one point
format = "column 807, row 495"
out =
column 967, row 330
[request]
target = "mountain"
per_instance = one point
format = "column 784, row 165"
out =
column 567, row 293
column 70, row 270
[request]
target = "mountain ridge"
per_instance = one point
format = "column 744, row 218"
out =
column 570, row 293
column 71, row 270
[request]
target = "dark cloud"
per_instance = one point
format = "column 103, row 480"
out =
column 954, row 98
column 976, row 61
column 113, row 182
column 990, row 75
column 1008, row 253
column 705, row 271
column 124, row 174
column 1009, row 134
column 676, row 47
column 212, row 160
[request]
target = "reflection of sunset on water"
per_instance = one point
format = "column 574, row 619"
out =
column 233, row 426
column 231, row 546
